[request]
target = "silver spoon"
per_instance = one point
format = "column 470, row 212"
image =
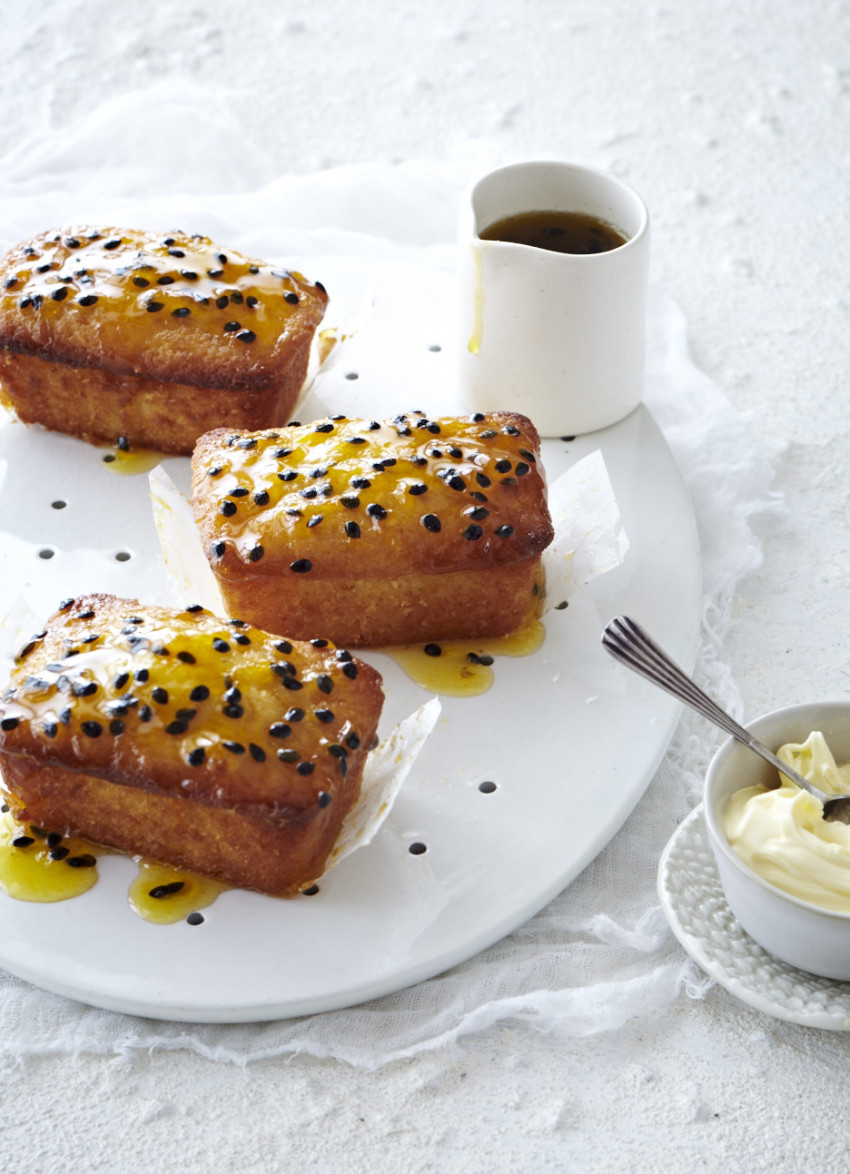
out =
column 628, row 642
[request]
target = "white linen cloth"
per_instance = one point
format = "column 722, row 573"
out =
column 600, row 953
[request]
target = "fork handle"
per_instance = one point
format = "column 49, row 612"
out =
column 628, row 642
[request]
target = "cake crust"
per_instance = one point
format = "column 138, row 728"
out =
column 141, row 318
column 376, row 532
column 200, row 743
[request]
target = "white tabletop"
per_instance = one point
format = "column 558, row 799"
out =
column 732, row 120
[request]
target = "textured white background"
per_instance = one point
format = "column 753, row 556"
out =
column 732, row 119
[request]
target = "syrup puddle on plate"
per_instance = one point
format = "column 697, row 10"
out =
column 464, row 668
column 167, row 895
column 41, row 866
column 129, row 462
column 460, row 668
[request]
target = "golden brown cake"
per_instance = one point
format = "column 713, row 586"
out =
column 150, row 338
column 376, row 532
column 194, row 741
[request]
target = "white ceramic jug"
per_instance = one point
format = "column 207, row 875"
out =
column 557, row 336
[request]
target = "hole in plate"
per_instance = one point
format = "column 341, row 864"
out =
column 123, row 556
column 417, row 848
column 46, row 552
column 487, row 787
column 58, row 505
column 311, row 892
column 435, row 348
column 352, row 375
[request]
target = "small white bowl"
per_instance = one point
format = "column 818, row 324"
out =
column 797, row 932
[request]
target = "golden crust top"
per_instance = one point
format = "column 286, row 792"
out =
column 184, row 703
column 372, row 499
column 167, row 306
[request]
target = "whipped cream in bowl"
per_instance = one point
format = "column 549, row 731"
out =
column 785, row 871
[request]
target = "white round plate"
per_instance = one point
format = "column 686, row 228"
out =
column 569, row 737
column 695, row 906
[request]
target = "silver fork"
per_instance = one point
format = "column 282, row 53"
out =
column 627, row 641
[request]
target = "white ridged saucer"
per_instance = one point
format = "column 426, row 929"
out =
column 696, row 908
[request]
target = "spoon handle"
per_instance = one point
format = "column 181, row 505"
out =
column 627, row 641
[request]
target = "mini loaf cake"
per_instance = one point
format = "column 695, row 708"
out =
column 376, row 532
column 193, row 741
column 150, row 338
